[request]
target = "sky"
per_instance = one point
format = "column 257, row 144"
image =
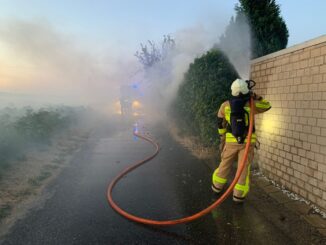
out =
column 125, row 22
column 42, row 41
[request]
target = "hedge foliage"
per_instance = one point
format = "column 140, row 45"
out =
column 206, row 85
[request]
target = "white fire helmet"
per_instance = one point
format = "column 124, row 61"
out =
column 239, row 86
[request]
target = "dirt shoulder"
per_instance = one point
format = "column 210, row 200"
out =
column 22, row 184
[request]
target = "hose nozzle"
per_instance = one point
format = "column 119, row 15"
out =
column 251, row 84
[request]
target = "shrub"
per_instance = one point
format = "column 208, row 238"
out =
column 206, row 85
column 21, row 129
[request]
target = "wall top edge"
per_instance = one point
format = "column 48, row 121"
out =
column 291, row 49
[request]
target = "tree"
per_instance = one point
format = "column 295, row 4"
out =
column 157, row 69
column 149, row 55
column 269, row 31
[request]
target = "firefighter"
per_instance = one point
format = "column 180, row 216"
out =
column 233, row 126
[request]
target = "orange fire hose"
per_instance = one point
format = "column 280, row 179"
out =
column 196, row 215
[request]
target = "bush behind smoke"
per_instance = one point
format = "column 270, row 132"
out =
column 25, row 128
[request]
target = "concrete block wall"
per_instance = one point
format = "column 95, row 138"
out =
column 293, row 133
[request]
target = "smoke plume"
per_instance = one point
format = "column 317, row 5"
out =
column 236, row 44
column 44, row 62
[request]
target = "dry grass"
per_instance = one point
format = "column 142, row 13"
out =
column 25, row 179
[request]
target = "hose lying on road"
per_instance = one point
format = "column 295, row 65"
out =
column 191, row 217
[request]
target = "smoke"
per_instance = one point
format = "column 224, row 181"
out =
column 236, row 44
column 191, row 43
column 42, row 62
column 48, row 66
column 165, row 77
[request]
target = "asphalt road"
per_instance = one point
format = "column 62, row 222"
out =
column 172, row 185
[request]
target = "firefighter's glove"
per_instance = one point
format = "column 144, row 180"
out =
column 255, row 96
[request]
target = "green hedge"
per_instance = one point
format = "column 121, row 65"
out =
column 206, row 85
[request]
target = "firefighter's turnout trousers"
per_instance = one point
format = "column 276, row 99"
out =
column 230, row 153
